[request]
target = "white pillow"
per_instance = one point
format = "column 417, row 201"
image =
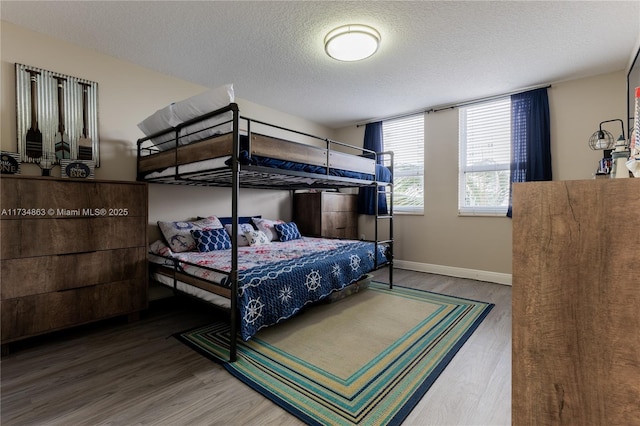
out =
column 159, row 252
column 242, row 228
column 266, row 226
column 257, row 238
column 160, row 248
column 203, row 103
column 160, row 120
column 178, row 234
column 195, row 106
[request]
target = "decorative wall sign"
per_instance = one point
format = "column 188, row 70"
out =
column 9, row 163
column 57, row 114
column 77, row 169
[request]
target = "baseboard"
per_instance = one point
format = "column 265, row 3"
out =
column 474, row 274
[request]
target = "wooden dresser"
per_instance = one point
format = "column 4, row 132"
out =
column 576, row 303
column 72, row 252
column 326, row 214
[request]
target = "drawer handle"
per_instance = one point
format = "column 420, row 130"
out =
column 76, row 288
column 77, row 252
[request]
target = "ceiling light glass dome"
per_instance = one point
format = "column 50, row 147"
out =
column 352, row 42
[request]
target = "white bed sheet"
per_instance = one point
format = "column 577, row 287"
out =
column 198, row 166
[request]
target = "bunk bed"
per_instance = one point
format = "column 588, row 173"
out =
column 223, row 148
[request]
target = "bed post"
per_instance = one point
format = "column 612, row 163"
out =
column 390, row 213
column 235, row 189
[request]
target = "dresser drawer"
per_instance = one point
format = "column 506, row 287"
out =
column 43, row 237
column 337, row 220
column 32, row 315
column 326, row 214
column 43, row 274
column 67, row 197
column 339, row 225
column 339, row 202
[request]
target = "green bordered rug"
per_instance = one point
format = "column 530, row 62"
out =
column 367, row 359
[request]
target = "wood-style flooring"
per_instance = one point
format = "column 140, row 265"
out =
column 119, row 373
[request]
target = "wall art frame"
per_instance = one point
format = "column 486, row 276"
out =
column 57, row 116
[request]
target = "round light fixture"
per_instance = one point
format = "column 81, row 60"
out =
column 352, row 42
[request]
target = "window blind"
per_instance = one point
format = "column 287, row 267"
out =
column 405, row 137
column 485, row 156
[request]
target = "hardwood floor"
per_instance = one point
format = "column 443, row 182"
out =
column 118, row 373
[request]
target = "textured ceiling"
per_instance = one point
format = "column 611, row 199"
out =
column 432, row 53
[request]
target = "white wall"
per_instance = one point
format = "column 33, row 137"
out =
column 577, row 107
column 480, row 247
column 127, row 94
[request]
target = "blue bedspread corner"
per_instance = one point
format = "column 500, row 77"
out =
column 270, row 294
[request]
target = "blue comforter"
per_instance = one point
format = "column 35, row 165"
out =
column 270, row 293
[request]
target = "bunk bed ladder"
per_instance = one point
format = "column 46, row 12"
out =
column 387, row 190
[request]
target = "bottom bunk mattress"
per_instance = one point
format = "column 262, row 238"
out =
column 276, row 280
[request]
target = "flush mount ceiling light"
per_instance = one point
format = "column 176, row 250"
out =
column 352, row 42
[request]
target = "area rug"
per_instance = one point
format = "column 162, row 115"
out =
column 367, row 359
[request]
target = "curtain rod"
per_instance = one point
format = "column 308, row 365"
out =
column 456, row 105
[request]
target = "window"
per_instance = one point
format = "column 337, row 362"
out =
column 485, row 158
column 405, row 137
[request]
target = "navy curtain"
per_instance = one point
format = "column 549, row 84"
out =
column 367, row 196
column 530, row 138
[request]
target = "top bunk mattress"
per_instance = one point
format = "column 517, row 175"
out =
column 306, row 173
column 187, row 144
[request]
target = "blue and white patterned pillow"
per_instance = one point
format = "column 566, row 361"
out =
column 257, row 238
column 178, row 234
column 287, row 231
column 211, row 239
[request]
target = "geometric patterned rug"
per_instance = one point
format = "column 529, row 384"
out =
column 367, row 359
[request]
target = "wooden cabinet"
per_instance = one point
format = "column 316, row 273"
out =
column 576, row 302
column 71, row 252
column 326, row 214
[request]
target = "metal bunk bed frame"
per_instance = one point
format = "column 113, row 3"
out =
column 328, row 182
